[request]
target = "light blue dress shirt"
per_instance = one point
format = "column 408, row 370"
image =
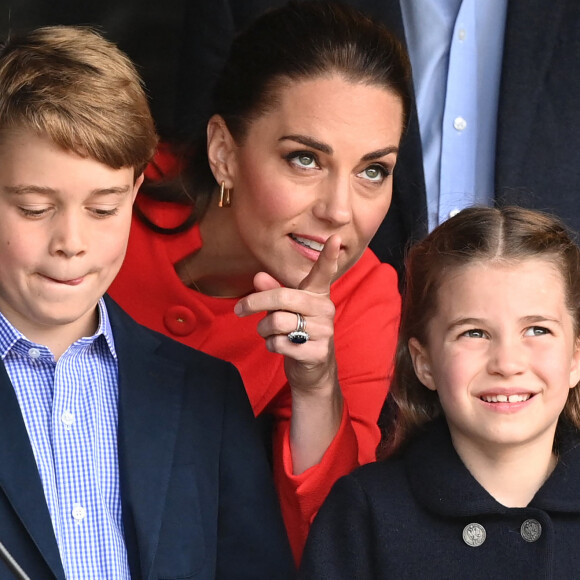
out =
column 456, row 49
column 69, row 408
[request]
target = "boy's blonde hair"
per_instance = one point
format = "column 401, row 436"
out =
column 78, row 89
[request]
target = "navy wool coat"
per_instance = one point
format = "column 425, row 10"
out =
column 423, row 515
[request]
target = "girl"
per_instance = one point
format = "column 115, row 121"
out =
column 268, row 265
column 483, row 475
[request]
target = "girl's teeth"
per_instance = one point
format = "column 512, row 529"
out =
column 505, row 398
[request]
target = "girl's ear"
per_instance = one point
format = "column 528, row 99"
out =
column 421, row 363
column 575, row 365
column 221, row 150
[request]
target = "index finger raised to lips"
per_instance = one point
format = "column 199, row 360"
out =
column 324, row 269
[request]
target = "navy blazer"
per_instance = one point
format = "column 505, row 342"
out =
column 538, row 137
column 406, row 518
column 196, row 489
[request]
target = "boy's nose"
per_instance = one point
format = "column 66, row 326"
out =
column 69, row 236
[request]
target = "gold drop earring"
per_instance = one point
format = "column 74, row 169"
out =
column 225, row 199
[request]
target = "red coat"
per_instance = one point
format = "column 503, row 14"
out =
column 367, row 316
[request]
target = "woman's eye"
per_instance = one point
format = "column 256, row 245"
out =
column 303, row 159
column 536, row 331
column 376, row 173
column 474, row 333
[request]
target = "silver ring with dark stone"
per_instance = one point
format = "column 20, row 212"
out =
column 299, row 336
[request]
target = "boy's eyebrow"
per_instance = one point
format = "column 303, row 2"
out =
column 109, row 190
column 324, row 148
column 23, row 189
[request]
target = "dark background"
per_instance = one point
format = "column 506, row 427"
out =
column 149, row 32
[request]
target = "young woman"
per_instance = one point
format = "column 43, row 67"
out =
column 265, row 261
column 483, row 475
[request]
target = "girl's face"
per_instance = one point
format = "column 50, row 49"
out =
column 501, row 353
column 319, row 163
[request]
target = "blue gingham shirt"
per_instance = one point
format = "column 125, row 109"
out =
column 69, row 407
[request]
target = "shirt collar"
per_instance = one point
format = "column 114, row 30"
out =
column 9, row 335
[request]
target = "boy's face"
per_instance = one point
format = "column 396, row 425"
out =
column 64, row 225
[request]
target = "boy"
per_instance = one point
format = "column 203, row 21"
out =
column 122, row 453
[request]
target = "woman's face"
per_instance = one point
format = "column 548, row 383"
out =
column 319, row 163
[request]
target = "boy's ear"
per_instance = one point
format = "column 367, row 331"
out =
column 575, row 365
column 136, row 186
column 221, row 149
column 421, row 363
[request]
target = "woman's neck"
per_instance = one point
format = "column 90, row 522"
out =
column 511, row 474
column 222, row 267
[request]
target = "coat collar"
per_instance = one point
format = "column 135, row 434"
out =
column 441, row 482
column 150, row 395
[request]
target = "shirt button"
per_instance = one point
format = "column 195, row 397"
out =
column 474, row 535
column 179, row 320
column 67, row 419
column 34, row 353
column 459, row 123
column 461, row 34
column 454, row 212
column 531, row 530
column 79, row 513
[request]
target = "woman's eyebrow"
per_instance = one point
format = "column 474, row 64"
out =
column 324, row 148
column 379, row 153
column 309, row 142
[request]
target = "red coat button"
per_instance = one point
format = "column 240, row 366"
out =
column 179, row 320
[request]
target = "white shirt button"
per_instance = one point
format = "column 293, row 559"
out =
column 454, row 212
column 79, row 513
column 34, row 353
column 67, row 419
column 461, row 34
column 459, row 123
